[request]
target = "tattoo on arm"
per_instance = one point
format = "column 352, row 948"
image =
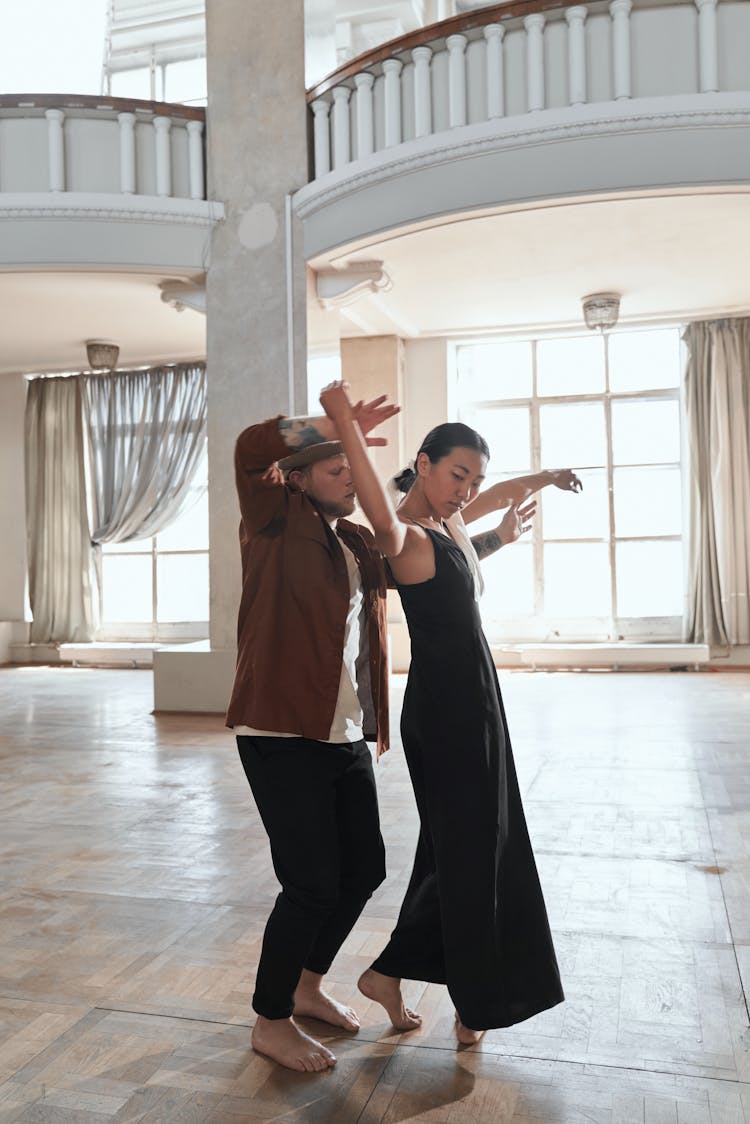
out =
column 486, row 544
column 300, row 432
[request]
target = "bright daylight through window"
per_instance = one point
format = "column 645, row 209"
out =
column 157, row 588
column 607, row 564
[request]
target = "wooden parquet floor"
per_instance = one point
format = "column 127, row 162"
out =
column 135, row 883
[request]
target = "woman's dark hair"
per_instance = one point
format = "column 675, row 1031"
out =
column 438, row 444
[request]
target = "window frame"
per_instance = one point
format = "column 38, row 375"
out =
column 540, row 627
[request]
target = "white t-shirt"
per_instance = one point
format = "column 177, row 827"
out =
column 347, row 717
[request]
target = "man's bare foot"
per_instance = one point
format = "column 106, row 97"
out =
column 386, row 990
column 323, row 1007
column 311, row 1002
column 466, row 1036
column 284, row 1042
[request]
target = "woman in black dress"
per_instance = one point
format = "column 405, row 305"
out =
column 474, row 916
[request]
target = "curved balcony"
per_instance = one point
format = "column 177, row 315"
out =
column 88, row 181
column 530, row 100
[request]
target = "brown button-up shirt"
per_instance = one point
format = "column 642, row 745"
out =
column 295, row 598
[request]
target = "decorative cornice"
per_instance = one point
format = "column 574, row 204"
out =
column 133, row 209
column 505, row 133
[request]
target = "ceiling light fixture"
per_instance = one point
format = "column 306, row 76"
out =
column 601, row 310
column 102, row 355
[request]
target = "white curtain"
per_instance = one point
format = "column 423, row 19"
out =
column 147, row 434
column 59, row 547
column 717, row 387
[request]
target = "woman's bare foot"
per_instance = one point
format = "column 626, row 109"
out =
column 466, row 1036
column 284, row 1042
column 386, row 990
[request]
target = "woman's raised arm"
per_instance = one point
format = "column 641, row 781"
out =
column 390, row 534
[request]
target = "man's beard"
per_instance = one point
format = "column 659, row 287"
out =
column 336, row 510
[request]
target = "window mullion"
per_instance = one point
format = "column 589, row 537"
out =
column 154, row 592
column 536, row 456
column 610, row 497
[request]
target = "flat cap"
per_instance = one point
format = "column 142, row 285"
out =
column 310, row 455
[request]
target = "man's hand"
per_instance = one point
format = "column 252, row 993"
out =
column 515, row 522
column 335, row 401
column 566, row 480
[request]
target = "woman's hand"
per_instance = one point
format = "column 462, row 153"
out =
column 335, row 401
column 566, row 480
column 368, row 415
column 515, row 522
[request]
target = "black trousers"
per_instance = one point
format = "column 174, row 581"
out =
column 318, row 804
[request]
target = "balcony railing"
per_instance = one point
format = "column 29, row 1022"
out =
column 517, row 59
column 100, row 145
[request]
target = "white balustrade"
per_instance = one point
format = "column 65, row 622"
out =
column 576, row 19
column 479, row 68
column 195, row 159
column 162, row 154
column 392, row 82
column 341, row 128
column 321, row 136
column 456, row 45
column 621, row 63
column 534, row 26
column 56, row 149
column 78, row 133
column 127, row 153
column 422, row 91
column 708, row 46
column 364, row 83
column 494, row 34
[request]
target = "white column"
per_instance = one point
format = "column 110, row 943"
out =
column 321, row 136
column 365, row 128
column 708, row 50
column 127, row 152
column 195, row 156
column 456, row 45
column 341, row 130
column 162, row 126
column 56, row 148
column 534, row 25
column 493, row 34
column 392, row 71
column 422, row 91
column 620, row 12
column 576, row 18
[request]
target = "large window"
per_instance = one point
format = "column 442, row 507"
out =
column 157, row 588
column 607, row 564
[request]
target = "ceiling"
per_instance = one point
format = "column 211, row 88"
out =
column 47, row 317
column 673, row 258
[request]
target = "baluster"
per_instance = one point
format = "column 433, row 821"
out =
column 195, row 156
column 620, row 12
column 127, row 152
column 162, row 127
column 456, row 45
column 321, row 136
column 708, row 49
column 392, row 71
column 56, row 148
column 422, row 91
column 534, row 25
column 493, row 34
column 576, row 19
column 341, row 130
column 365, row 130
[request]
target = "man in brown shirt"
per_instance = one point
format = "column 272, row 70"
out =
column 310, row 687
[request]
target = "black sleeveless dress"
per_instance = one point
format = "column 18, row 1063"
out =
column 474, row 916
